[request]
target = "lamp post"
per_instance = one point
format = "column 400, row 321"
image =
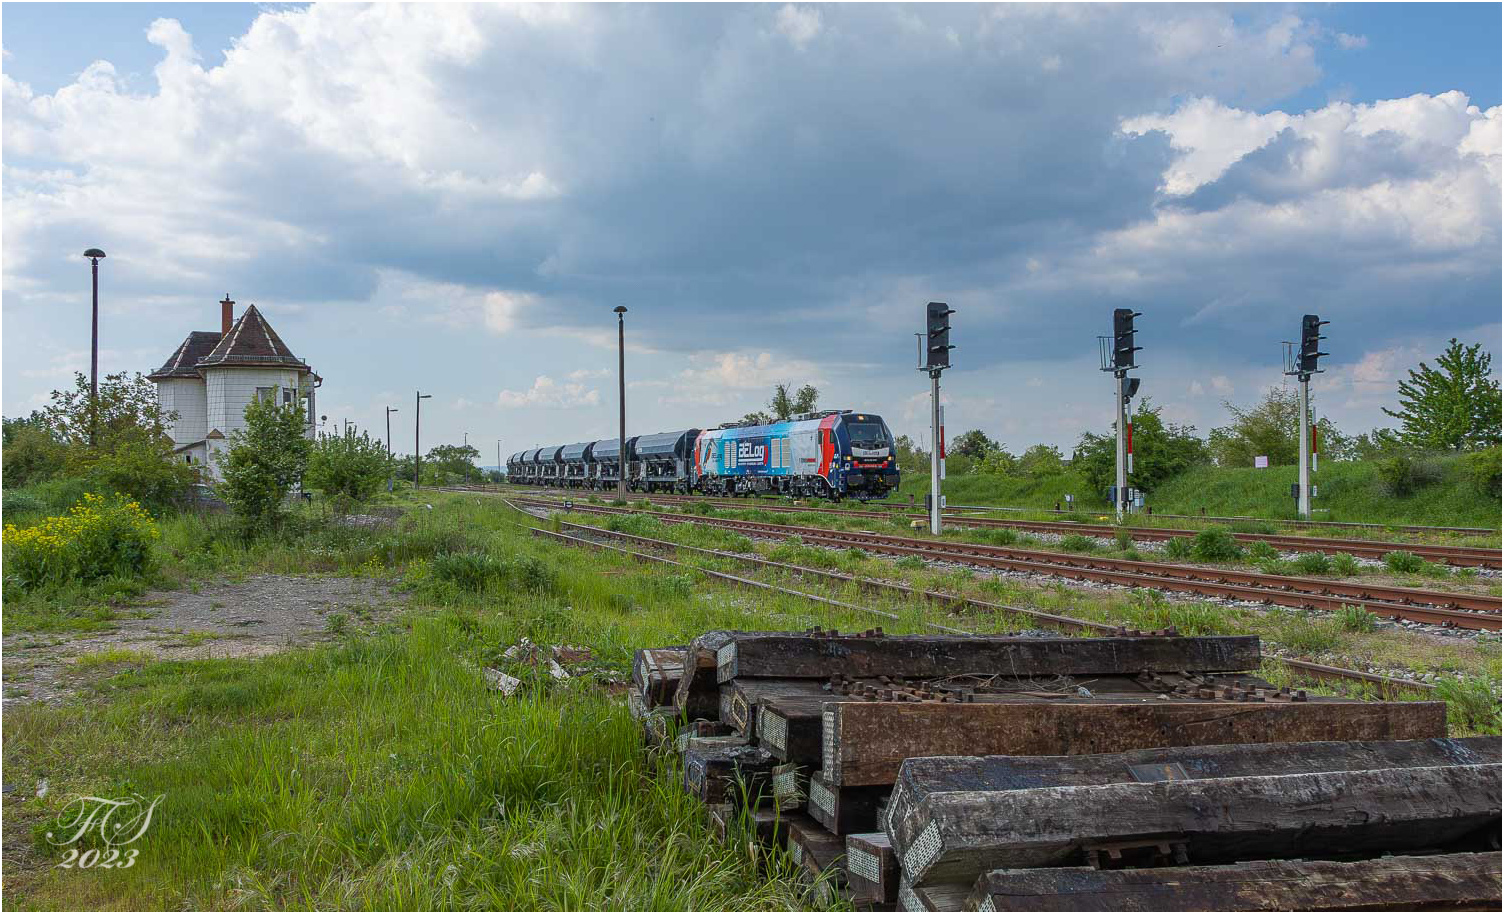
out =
column 621, row 403
column 499, row 470
column 418, row 399
column 465, row 439
column 391, row 471
column 95, row 256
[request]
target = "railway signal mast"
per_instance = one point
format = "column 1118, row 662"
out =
column 937, row 358
column 1117, row 356
column 1302, row 363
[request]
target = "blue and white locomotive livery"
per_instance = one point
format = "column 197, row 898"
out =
column 830, row 454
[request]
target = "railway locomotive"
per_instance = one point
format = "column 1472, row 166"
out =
column 831, row 454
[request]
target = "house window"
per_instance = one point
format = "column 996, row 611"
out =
column 263, row 394
column 287, row 396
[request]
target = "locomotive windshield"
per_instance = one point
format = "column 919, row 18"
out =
column 867, row 435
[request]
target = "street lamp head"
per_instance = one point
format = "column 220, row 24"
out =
column 620, row 309
column 94, row 253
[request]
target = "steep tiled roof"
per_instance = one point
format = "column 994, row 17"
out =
column 251, row 341
column 180, row 364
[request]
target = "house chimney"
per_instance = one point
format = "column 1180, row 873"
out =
column 226, row 314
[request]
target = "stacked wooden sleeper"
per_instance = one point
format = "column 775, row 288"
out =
column 805, row 735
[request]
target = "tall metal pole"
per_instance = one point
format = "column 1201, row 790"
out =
column 1121, row 448
column 391, row 470
column 94, row 255
column 417, row 409
column 621, row 310
column 467, row 457
column 935, row 451
column 1304, row 500
column 499, row 469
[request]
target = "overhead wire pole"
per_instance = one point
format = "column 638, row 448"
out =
column 937, row 358
column 391, row 468
column 418, row 399
column 621, row 310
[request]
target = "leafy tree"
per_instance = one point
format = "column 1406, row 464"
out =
column 1272, row 428
column 1000, row 462
column 32, row 453
column 1041, row 461
column 128, row 408
column 263, row 462
column 973, row 443
column 1161, row 451
column 450, row 463
column 756, row 418
column 347, row 467
column 784, row 404
column 909, row 456
column 133, row 453
column 1374, row 444
column 1455, row 406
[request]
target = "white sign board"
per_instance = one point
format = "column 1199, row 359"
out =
column 1261, row 460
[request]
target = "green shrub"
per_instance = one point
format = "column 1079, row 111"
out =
column 1404, row 562
column 1178, row 548
column 1077, row 543
column 347, row 468
column 1402, row 474
column 1313, row 564
column 1123, row 538
column 1215, row 545
column 1345, row 565
column 1260, row 551
column 911, row 563
column 263, row 462
column 1355, row 619
column 101, row 536
column 142, row 470
column 1482, row 471
column 471, row 571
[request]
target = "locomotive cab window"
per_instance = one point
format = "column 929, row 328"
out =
column 867, row 435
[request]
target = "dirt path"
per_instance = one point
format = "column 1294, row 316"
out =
column 258, row 616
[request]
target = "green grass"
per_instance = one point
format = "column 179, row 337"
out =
column 379, row 772
column 376, row 770
column 1346, row 491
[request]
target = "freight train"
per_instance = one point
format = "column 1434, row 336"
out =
column 831, row 454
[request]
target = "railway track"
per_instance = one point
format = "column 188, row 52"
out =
column 1477, row 557
column 1384, row 686
column 1467, row 611
column 1244, row 519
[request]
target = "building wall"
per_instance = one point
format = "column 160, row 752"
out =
column 229, row 389
column 186, row 397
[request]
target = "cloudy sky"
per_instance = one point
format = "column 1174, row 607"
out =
column 455, row 197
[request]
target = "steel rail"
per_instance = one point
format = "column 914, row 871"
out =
column 1396, row 603
column 1480, row 557
column 1387, row 686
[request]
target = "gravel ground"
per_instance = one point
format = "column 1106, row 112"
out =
column 261, row 615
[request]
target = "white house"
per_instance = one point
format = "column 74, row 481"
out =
column 212, row 376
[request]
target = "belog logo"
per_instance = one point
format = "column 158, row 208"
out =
column 749, row 453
